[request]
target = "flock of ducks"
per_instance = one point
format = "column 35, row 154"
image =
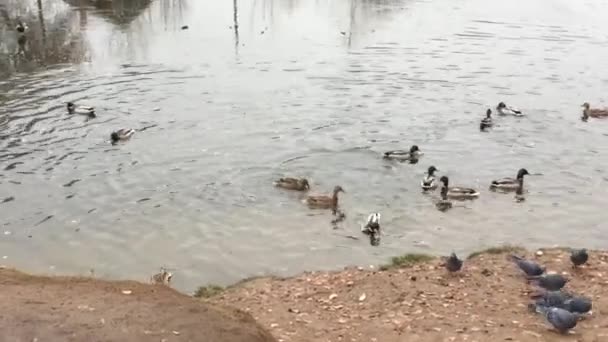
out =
column 563, row 310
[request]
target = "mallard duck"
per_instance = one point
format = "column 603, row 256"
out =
column 510, row 184
column 593, row 112
column 413, row 154
column 325, row 201
column 503, row 109
column 82, row 110
column 458, row 192
column 122, row 135
column 487, row 121
column 443, row 204
column 429, row 181
column 162, row 278
column 299, row 184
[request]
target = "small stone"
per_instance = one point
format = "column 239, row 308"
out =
column 175, row 332
column 539, row 253
column 274, row 325
column 342, row 321
column 362, row 297
column 102, row 321
column 333, row 296
column 127, row 292
column 413, row 278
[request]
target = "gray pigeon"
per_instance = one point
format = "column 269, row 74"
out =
column 553, row 299
column 579, row 257
column 562, row 320
column 453, row 264
column 578, row 304
column 550, row 282
column 529, row 267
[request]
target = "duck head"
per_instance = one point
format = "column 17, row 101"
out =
column 304, row 183
column 445, row 181
column 373, row 221
column 432, row 170
column 521, row 173
column 338, row 189
column 114, row 137
column 586, row 105
column 71, row 107
column 501, row 105
column 414, row 149
column 489, row 113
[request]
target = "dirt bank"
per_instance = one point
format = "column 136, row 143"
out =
column 487, row 302
column 45, row 309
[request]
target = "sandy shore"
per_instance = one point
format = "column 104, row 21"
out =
column 42, row 309
column 486, row 302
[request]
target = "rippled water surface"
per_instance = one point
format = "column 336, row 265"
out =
column 306, row 88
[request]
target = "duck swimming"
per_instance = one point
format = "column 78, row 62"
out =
column 503, row 109
column 510, row 184
column 402, row 155
column 592, row 112
column 121, row 135
column 21, row 27
column 458, row 192
column 429, row 181
column 325, row 201
column 82, row 110
column 299, row 184
column 487, row 121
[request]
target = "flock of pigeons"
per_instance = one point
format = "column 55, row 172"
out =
column 561, row 309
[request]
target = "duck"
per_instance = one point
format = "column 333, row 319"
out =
column 82, row 110
column 162, row 278
column 443, row 204
column 458, row 192
column 372, row 226
column 593, row 112
column 299, row 184
column 123, row 134
column 510, row 184
column 503, row 109
column 402, row 155
column 325, row 201
column 487, row 121
column 429, row 182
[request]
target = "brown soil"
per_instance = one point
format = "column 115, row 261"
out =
column 77, row 309
column 486, row 302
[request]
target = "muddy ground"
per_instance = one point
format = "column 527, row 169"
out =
column 62, row 309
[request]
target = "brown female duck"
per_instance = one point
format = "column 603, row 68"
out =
column 325, row 201
column 299, row 184
column 593, row 112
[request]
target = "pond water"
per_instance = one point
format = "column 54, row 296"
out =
column 317, row 89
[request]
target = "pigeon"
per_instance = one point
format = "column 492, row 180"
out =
column 550, row 282
column 562, row 320
column 529, row 267
column 453, row 264
column 578, row 305
column 579, row 257
column 553, row 299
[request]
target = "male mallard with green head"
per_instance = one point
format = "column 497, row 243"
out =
column 510, row 184
column 429, row 182
column 82, row 110
column 458, row 192
column 402, row 155
column 592, row 112
column 121, row 135
column 325, row 201
column 487, row 121
column 503, row 109
column 299, row 184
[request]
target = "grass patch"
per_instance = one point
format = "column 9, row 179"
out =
column 496, row 250
column 406, row 260
column 208, row 291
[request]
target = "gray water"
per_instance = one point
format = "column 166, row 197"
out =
column 317, row 89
